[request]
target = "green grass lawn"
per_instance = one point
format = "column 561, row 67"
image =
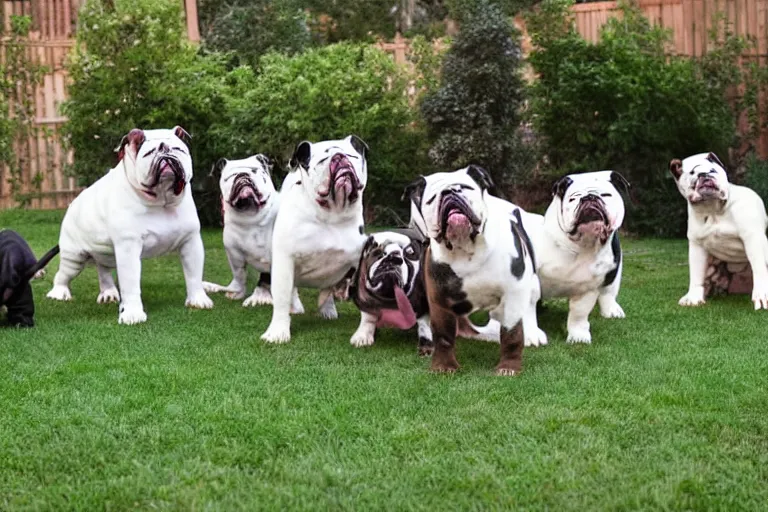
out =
column 667, row 408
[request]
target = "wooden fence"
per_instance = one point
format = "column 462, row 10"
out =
column 41, row 157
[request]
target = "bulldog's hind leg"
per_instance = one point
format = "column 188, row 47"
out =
column 128, row 257
column 512, row 335
column 609, row 308
column 534, row 336
column 426, row 345
column 297, row 308
column 107, row 290
column 364, row 335
column 261, row 294
column 578, row 318
column 70, row 265
column 279, row 330
column 235, row 290
column 327, row 305
column 21, row 307
column 192, row 262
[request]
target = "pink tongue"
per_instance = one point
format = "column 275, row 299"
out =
column 246, row 192
column 458, row 226
column 403, row 317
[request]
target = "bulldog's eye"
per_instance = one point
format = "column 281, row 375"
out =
column 605, row 194
column 179, row 149
column 691, row 173
column 264, row 178
column 571, row 199
column 431, row 200
column 714, row 171
column 411, row 252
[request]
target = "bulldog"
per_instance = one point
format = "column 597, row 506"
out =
column 142, row 208
column 319, row 230
column 578, row 249
column 479, row 257
column 249, row 203
column 18, row 266
column 726, row 222
column 388, row 289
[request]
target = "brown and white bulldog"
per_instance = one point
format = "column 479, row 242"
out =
column 479, row 258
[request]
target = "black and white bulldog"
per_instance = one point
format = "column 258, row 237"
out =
column 388, row 288
column 319, row 230
column 140, row 209
column 578, row 253
column 479, row 257
column 725, row 221
column 18, row 266
column 249, row 203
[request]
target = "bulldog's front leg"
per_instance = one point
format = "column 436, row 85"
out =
column 364, row 335
column 578, row 318
column 443, row 323
column 534, row 336
column 327, row 305
column 426, row 345
column 279, row 330
column 756, row 247
column 128, row 258
column 192, row 262
column 697, row 267
column 108, row 291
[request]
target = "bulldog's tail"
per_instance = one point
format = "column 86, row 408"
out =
column 41, row 263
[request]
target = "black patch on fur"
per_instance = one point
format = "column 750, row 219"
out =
column 619, row 182
column 450, row 287
column 217, row 168
column 713, row 158
column 517, row 267
column 361, row 229
column 560, row 186
column 415, row 191
column 265, row 280
column 302, row 155
column 359, row 145
column 610, row 277
column 17, row 266
column 481, row 176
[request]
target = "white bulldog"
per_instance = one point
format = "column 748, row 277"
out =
column 250, row 204
column 724, row 220
column 578, row 254
column 479, row 257
column 140, row 209
column 319, row 230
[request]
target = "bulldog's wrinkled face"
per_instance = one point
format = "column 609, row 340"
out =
column 589, row 206
column 157, row 164
column 246, row 185
column 389, row 264
column 700, row 178
column 449, row 207
column 333, row 172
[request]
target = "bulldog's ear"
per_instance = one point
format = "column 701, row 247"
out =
column 560, row 186
column 359, row 145
column 135, row 138
column 481, row 176
column 265, row 161
column 676, row 167
column 301, row 155
column 370, row 243
column 182, row 134
column 619, row 182
column 713, row 158
column 415, row 191
column 218, row 167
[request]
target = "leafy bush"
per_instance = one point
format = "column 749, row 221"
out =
column 132, row 67
column 756, row 176
column 251, row 28
column 325, row 93
column 625, row 104
column 474, row 116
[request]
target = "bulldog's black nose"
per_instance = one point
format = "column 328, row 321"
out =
column 394, row 258
column 591, row 197
column 163, row 147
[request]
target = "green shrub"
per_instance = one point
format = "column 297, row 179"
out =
column 756, row 175
column 474, row 116
column 326, row 93
column 624, row 104
column 132, row 67
column 251, row 28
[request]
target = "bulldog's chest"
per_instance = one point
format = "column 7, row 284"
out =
column 255, row 243
column 573, row 275
column 719, row 236
column 467, row 286
column 322, row 257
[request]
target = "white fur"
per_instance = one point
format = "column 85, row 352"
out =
column 248, row 233
column 315, row 247
column 574, row 267
column 116, row 223
column 730, row 226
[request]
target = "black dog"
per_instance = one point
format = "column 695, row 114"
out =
column 17, row 266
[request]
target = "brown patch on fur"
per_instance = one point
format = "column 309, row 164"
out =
column 676, row 167
column 512, row 342
column 723, row 278
column 443, row 323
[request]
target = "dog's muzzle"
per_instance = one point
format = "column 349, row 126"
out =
column 165, row 166
column 457, row 220
column 244, row 194
column 591, row 219
column 388, row 275
column 343, row 184
column 706, row 186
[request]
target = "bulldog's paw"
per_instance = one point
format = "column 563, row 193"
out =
column 259, row 297
column 108, row 296
column 692, row 299
column 535, row 338
column 612, row 311
column 277, row 335
column 199, row 301
column 297, row 308
column 39, row 274
column 503, row 371
column 426, row 350
column 213, row 287
column 328, row 310
column 579, row 336
column 760, row 296
column 362, row 339
column 60, row 292
column 131, row 316
column 447, row 367
column 235, row 295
